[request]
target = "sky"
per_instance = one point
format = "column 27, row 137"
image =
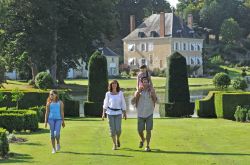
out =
column 173, row 2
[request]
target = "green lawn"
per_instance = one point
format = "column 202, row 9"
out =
column 159, row 82
column 174, row 141
column 234, row 72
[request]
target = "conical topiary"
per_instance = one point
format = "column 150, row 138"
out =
column 177, row 96
column 98, row 83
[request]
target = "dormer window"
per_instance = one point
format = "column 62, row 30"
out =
column 141, row 34
column 154, row 34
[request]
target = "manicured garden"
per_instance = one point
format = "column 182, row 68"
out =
column 174, row 141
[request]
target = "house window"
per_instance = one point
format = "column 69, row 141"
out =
column 192, row 46
column 143, row 47
column 198, row 61
column 184, row 46
column 131, row 61
column 131, row 47
column 112, row 59
column 192, row 61
column 142, row 61
column 198, row 47
column 176, row 46
column 150, row 47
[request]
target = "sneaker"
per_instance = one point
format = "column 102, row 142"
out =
column 53, row 151
column 114, row 147
column 140, row 144
column 58, row 147
column 147, row 149
column 118, row 144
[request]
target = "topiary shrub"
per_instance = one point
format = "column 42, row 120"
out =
column 16, row 96
column 177, row 91
column 2, row 71
column 98, row 81
column 239, row 84
column 243, row 73
column 241, row 114
column 43, row 80
column 4, row 145
column 221, row 80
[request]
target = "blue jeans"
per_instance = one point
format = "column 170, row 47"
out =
column 55, row 127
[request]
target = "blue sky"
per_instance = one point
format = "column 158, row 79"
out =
column 173, row 2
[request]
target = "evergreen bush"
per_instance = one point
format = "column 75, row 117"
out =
column 177, row 90
column 239, row 84
column 221, row 80
column 4, row 145
column 43, row 80
column 98, row 83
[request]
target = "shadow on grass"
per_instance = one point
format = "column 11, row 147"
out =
column 39, row 131
column 17, row 158
column 84, row 119
column 188, row 152
column 30, row 144
column 94, row 154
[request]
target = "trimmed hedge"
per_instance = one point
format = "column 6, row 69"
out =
column 176, row 109
column 30, row 99
column 93, row 109
column 36, row 99
column 4, row 145
column 98, row 77
column 226, row 103
column 71, row 108
column 177, row 91
column 221, row 104
column 18, row 120
column 205, row 107
column 40, row 111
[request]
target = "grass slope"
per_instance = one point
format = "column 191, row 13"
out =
column 174, row 141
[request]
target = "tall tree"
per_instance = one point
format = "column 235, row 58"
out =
column 230, row 31
column 57, row 32
column 215, row 12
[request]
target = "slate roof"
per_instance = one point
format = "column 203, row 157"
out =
column 174, row 27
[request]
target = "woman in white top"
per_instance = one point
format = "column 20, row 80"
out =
column 114, row 106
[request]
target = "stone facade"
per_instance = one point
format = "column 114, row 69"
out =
column 153, row 50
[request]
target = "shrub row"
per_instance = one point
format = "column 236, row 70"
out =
column 30, row 99
column 221, row 104
column 205, row 107
column 242, row 114
column 177, row 109
column 93, row 109
column 4, row 145
column 226, row 103
column 18, row 120
column 36, row 101
column 40, row 111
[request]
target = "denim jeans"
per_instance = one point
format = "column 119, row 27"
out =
column 55, row 127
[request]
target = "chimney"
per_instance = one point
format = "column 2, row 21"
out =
column 162, row 24
column 132, row 23
column 190, row 21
